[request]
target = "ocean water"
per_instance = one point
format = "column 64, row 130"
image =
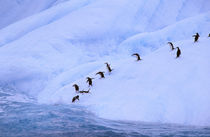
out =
column 21, row 116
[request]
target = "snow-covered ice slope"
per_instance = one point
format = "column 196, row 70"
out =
column 160, row 88
column 180, row 30
column 43, row 55
column 14, row 10
column 96, row 20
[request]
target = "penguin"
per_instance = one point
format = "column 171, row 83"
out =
column 76, row 87
column 89, row 81
column 137, row 55
column 172, row 46
column 75, row 98
column 83, row 91
column 101, row 74
column 196, row 37
column 108, row 67
column 209, row 35
column 178, row 53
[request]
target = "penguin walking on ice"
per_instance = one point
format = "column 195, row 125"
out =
column 101, row 74
column 196, row 37
column 108, row 67
column 137, row 55
column 75, row 98
column 76, row 87
column 172, row 46
column 83, row 91
column 178, row 53
column 89, row 81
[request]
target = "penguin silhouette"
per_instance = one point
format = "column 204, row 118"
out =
column 196, row 37
column 108, row 67
column 76, row 87
column 75, row 98
column 101, row 74
column 89, row 81
column 137, row 55
column 172, row 46
column 83, row 91
column 178, row 53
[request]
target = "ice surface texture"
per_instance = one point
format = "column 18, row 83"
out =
column 45, row 54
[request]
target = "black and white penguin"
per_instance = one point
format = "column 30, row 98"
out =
column 108, row 67
column 196, row 37
column 172, row 46
column 178, row 53
column 76, row 87
column 137, row 55
column 75, row 98
column 89, row 81
column 83, row 91
column 101, row 74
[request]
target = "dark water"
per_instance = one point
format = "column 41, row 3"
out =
column 23, row 117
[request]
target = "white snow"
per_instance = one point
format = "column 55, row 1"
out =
column 160, row 88
column 15, row 10
column 45, row 54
